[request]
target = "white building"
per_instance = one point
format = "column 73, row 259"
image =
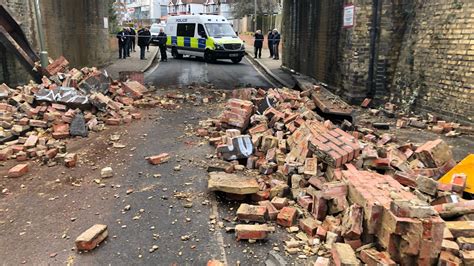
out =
column 209, row 7
column 147, row 10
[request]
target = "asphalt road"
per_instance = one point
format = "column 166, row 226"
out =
column 43, row 212
column 223, row 74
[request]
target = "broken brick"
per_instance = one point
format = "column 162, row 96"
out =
column 309, row 226
column 92, row 237
column 343, row 255
column 252, row 213
column 18, row 170
column 158, row 159
column 255, row 232
column 287, row 216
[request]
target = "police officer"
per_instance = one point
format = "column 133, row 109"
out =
column 258, row 43
column 133, row 35
column 143, row 40
column 162, row 39
column 128, row 41
column 122, row 43
column 270, row 43
column 276, row 44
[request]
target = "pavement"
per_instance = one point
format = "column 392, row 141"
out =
column 270, row 66
column 133, row 63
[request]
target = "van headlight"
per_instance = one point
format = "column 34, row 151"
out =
column 219, row 47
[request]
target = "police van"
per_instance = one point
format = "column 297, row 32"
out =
column 207, row 36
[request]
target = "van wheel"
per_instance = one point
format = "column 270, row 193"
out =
column 175, row 54
column 208, row 57
column 236, row 60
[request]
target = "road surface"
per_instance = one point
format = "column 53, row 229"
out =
column 223, row 74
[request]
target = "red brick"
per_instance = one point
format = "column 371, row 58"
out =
column 458, row 182
column 336, row 158
column 158, row 159
column 447, row 258
column 306, row 202
column 92, row 237
column 61, row 128
column 5, row 153
column 372, row 257
column 31, row 141
column 280, row 203
column 134, row 89
column 343, row 255
column 352, row 223
column 256, row 232
column 60, row 135
column 51, row 153
column 18, row 170
column 252, row 213
column 112, row 121
column 320, row 207
column 309, row 226
column 287, row 216
column 272, row 211
column 321, row 233
column 260, row 196
column 70, row 160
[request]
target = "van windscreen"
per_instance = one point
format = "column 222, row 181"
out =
column 220, row 30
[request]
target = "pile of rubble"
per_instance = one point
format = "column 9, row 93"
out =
column 35, row 118
column 344, row 196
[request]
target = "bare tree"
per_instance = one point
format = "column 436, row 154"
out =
column 242, row 8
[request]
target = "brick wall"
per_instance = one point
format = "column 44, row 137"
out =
column 424, row 51
column 74, row 29
column 311, row 32
column 436, row 66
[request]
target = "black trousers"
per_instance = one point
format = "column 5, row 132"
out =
column 258, row 52
column 122, row 50
column 163, row 52
column 132, row 45
column 142, row 52
column 276, row 51
column 270, row 48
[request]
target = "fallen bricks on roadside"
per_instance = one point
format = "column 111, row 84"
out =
column 351, row 187
column 68, row 103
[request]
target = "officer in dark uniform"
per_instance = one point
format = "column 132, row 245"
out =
column 129, row 41
column 270, row 43
column 162, row 39
column 276, row 44
column 258, row 43
column 133, row 35
column 122, row 43
column 143, row 40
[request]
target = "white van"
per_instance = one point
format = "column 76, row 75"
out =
column 208, row 36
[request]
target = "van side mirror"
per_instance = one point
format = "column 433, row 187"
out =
column 203, row 34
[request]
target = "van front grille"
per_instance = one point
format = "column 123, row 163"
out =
column 232, row 46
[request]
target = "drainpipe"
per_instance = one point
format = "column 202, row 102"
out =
column 373, row 43
column 39, row 21
column 255, row 16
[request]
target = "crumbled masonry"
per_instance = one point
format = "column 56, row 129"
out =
column 357, row 196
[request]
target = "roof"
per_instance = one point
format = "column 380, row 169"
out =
column 206, row 18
